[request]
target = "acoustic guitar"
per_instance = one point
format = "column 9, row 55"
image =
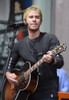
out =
column 27, row 83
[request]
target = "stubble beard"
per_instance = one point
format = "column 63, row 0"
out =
column 33, row 30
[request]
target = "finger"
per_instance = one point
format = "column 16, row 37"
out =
column 13, row 75
column 13, row 81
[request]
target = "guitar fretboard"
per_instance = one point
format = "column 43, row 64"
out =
column 29, row 71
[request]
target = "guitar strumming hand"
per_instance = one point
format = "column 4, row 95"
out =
column 11, row 77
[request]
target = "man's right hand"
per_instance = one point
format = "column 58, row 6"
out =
column 11, row 77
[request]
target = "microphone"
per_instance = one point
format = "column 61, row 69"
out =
column 17, row 24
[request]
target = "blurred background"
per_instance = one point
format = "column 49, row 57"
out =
column 55, row 21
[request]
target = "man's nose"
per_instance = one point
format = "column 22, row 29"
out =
column 34, row 18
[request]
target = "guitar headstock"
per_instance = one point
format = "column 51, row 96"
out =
column 59, row 49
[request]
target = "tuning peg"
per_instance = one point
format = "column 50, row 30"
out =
column 60, row 53
column 57, row 55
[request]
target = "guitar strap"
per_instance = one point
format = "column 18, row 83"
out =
column 38, row 48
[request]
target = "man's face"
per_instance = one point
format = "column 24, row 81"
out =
column 33, row 20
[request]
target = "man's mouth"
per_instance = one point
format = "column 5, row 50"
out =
column 34, row 24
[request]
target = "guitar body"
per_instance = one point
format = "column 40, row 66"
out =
column 22, row 90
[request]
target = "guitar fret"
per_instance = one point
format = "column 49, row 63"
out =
column 29, row 71
column 37, row 64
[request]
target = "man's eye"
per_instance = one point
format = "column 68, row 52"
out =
column 30, row 16
column 34, row 17
column 37, row 17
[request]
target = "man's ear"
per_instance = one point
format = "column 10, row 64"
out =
column 24, row 20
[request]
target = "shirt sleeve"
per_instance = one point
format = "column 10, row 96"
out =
column 14, row 58
column 54, row 42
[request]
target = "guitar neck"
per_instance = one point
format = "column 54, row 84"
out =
column 35, row 66
column 55, row 51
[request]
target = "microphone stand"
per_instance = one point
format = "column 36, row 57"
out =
column 10, row 45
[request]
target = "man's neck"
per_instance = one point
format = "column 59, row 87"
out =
column 34, row 34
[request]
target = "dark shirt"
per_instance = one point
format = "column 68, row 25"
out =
column 32, row 50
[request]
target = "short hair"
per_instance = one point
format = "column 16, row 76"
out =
column 34, row 8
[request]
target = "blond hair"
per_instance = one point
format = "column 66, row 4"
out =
column 34, row 8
